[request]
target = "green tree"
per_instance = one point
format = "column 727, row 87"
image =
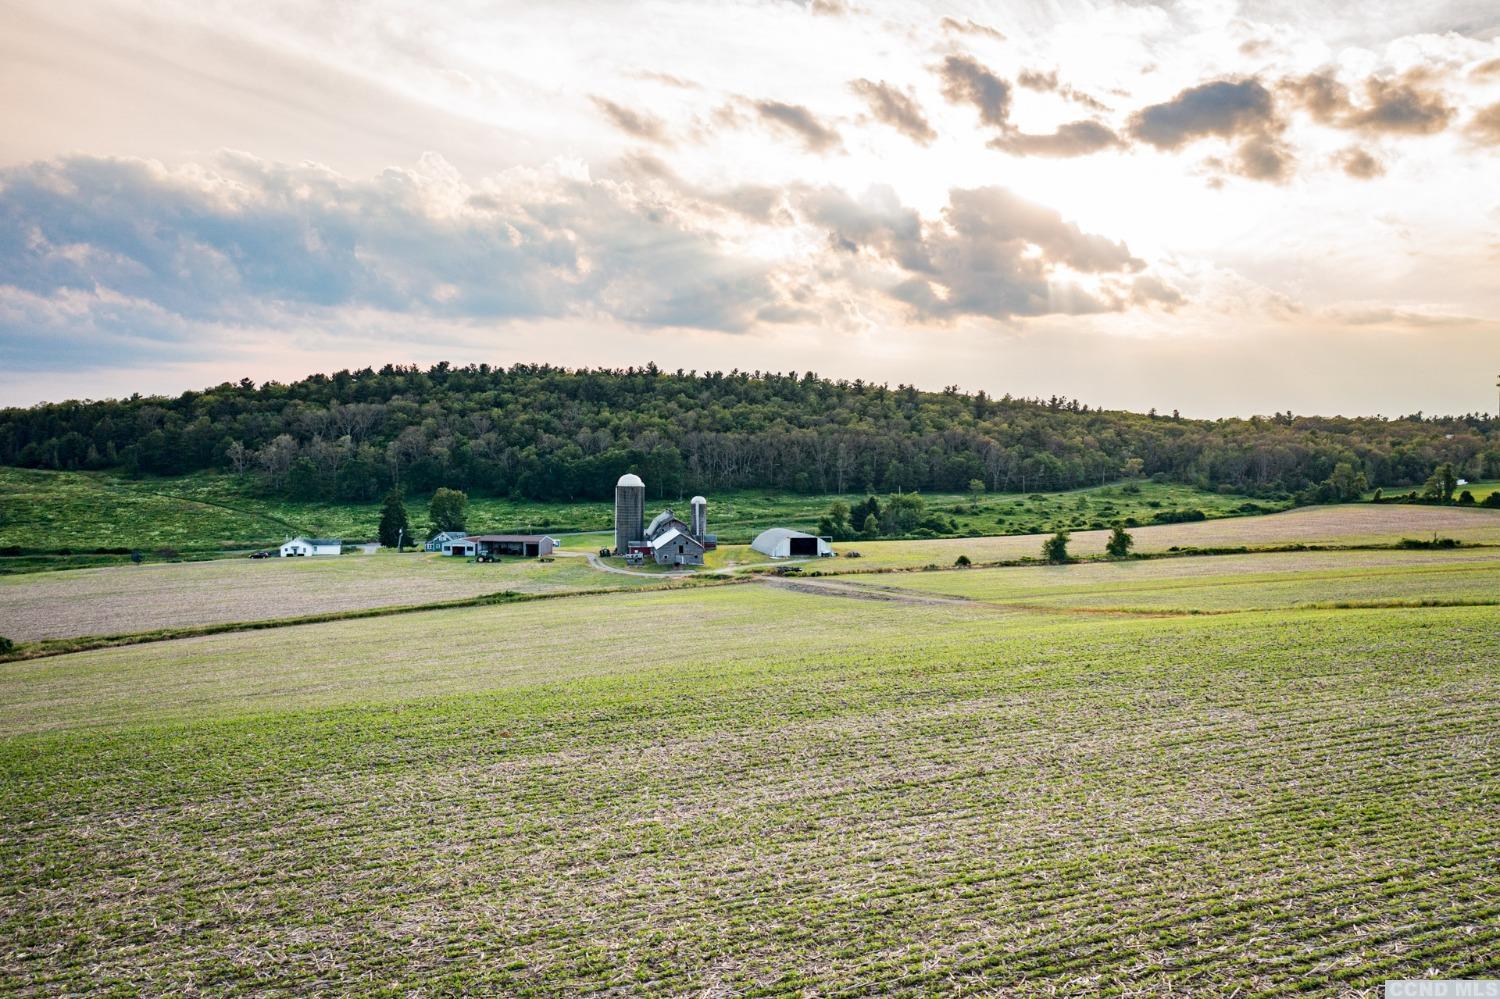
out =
column 448, row 509
column 6, row 645
column 976, row 490
column 1055, row 548
column 835, row 523
column 1465, row 498
column 871, row 527
column 1120, row 542
column 962, row 561
column 395, row 528
column 1441, row 485
column 902, row 514
column 1345, row 484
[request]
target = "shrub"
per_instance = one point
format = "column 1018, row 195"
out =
column 962, row 560
column 1178, row 516
column 1436, row 542
column 6, row 645
column 1493, row 499
column 1055, row 548
column 1465, row 498
column 1120, row 542
column 166, row 553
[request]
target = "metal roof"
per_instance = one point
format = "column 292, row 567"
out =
column 696, row 500
column 317, row 542
column 630, row 479
column 672, row 537
column 508, row 537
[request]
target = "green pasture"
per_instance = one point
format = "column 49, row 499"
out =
column 753, row 790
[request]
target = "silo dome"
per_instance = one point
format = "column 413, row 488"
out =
column 697, row 500
column 630, row 479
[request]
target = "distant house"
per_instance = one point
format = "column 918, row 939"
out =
column 312, row 546
column 435, row 543
column 522, row 545
column 460, row 545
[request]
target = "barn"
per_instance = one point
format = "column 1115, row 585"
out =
column 675, row 546
column 782, row 542
column 520, row 545
column 312, row 546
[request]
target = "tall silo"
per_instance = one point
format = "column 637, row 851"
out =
column 700, row 517
column 630, row 511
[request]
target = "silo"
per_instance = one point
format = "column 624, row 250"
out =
column 700, row 517
column 630, row 511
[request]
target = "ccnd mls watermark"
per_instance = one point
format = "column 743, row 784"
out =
column 1450, row 989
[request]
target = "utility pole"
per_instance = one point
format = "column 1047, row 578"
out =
column 400, row 538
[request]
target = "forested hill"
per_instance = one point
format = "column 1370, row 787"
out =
column 552, row 434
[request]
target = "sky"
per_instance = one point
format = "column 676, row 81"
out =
column 1223, row 208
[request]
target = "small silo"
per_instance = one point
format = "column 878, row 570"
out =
column 700, row 517
column 630, row 511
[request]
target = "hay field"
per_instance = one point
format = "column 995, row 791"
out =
column 1232, row 582
column 130, row 598
column 1316, row 525
column 819, row 795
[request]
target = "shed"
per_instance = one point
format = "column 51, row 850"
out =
column 783, row 542
column 459, row 546
column 522, row 545
column 312, row 546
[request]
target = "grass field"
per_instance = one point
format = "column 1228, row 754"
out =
column 1319, row 525
column 122, row 599
column 759, row 790
column 82, row 511
column 1234, row 582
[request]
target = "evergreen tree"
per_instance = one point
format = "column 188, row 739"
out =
column 395, row 528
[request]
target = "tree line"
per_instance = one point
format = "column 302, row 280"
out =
column 547, row 433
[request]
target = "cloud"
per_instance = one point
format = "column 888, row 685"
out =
column 896, row 109
column 969, row 26
column 149, row 252
column 1034, row 79
column 966, row 81
column 1392, row 106
column 1486, row 69
column 1076, row 138
column 795, row 118
column 640, row 124
column 992, row 254
column 1225, row 108
column 1485, row 125
column 1263, row 157
column 1358, row 163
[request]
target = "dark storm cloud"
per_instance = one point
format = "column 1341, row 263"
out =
column 142, row 253
column 1358, row 163
column 1076, row 138
column 816, row 136
column 966, row 81
column 895, row 108
column 641, row 124
column 1224, row 108
column 993, row 254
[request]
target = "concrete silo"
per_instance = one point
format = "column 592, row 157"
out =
column 700, row 517
column 630, row 511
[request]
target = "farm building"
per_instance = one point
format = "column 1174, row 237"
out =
column 436, row 542
column 521, row 545
column 311, row 546
column 667, row 540
column 781, row 542
column 459, row 546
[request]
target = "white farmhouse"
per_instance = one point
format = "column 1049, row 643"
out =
column 312, row 546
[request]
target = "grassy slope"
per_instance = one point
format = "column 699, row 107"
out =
column 954, row 799
column 78, row 510
column 129, row 598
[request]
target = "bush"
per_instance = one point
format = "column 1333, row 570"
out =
column 6, row 645
column 1493, row 499
column 962, row 560
column 1178, row 516
column 167, row 553
column 1055, row 548
column 1436, row 542
column 1465, row 498
column 1120, row 542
